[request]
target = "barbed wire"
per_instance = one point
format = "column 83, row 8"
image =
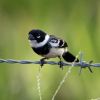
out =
column 82, row 64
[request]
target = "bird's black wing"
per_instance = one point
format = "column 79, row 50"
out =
column 57, row 42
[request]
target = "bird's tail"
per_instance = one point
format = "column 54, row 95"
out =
column 69, row 57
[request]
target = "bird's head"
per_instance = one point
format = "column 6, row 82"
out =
column 36, row 35
column 38, row 38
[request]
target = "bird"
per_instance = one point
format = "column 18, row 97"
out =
column 50, row 46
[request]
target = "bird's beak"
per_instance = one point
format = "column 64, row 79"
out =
column 31, row 37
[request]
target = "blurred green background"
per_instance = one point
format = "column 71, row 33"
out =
column 76, row 21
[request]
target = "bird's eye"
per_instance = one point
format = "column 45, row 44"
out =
column 38, row 36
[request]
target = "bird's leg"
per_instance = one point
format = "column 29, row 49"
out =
column 42, row 62
column 60, row 62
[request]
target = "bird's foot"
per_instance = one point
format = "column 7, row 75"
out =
column 60, row 63
column 42, row 62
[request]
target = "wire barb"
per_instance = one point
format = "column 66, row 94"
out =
column 83, row 64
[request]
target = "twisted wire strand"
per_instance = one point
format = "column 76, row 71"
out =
column 79, row 64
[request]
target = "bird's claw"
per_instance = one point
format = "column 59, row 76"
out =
column 60, row 63
column 42, row 62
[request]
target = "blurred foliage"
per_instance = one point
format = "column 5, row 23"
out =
column 77, row 21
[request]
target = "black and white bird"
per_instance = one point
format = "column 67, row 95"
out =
column 49, row 46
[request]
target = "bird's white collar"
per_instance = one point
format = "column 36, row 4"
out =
column 35, row 44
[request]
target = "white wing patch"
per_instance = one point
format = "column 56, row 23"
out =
column 54, row 42
column 57, row 42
